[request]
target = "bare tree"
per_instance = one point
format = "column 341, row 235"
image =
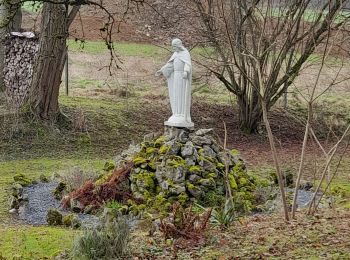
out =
column 263, row 45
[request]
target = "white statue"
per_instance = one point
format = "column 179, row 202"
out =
column 178, row 72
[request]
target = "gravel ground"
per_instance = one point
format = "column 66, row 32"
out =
column 41, row 199
column 304, row 197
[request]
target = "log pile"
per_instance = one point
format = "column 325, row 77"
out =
column 19, row 61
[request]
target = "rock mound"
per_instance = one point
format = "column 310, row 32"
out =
column 181, row 166
column 184, row 165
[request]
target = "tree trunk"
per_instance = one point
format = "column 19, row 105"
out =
column 250, row 112
column 50, row 62
column 16, row 23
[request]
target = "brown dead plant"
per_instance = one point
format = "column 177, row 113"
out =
column 94, row 195
column 184, row 225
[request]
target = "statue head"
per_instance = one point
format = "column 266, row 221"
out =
column 177, row 45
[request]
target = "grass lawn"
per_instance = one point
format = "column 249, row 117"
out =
column 27, row 242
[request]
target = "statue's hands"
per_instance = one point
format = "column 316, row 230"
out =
column 185, row 75
column 158, row 73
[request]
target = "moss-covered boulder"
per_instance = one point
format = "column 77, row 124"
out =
column 22, row 179
column 54, row 217
column 59, row 190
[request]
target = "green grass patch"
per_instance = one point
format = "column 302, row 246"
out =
column 309, row 15
column 34, row 242
column 94, row 128
column 32, row 6
column 124, row 49
column 86, row 83
column 132, row 49
column 92, row 47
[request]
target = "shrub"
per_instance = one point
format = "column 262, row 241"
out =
column 115, row 188
column 107, row 242
column 76, row 177
column 185, row 224
column 224, row 216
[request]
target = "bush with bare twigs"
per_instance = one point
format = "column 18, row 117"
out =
column 185, row 225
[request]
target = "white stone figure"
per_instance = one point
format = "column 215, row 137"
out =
column 178, row 72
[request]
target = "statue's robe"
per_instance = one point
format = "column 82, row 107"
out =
column 179, row 88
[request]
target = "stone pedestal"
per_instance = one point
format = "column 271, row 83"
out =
column 172, row 132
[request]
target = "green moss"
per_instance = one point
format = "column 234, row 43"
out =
column 136, row 209
column 212, row 199
column 163, row 149
column 234, row 152
column 161, row 204
column 261, row 182
column 153, row 164
column 233, row 183
column 190, row 186
column 176, row 161
column 147, row 179
column 244, row 201
column 195, row 169
column 159, row 141
column 103, row 178
column 139, row 160
column 220, row 166
column 183, row 198
column 22, row 179
column 243, row 181
column 150, row 150
column 142, row 207
column 212, row 175
column 54, row 217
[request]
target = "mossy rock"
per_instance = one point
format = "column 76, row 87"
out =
column 71, row 220
column 54, row 217
column 17, row 190
column 159, row 141
column 163, row 174
column 58, row 191
column 22, row 179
